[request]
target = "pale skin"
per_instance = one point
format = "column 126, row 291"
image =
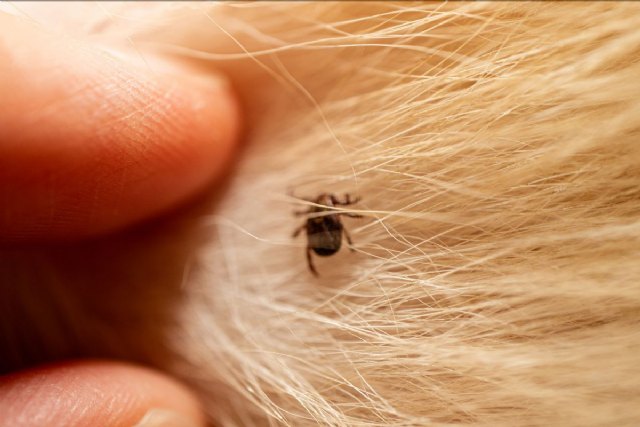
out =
column 74, row 164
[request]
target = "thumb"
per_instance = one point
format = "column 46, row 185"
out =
column 91, row 142
column 96, row 393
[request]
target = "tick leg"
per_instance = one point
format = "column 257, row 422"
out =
column 298, row 230
column 300, row 213
column 310, row 262
column 346, row 234
column 347, row 200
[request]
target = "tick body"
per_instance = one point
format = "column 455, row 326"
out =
column 324, row 226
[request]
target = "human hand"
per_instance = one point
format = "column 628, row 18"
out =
column 91, row 143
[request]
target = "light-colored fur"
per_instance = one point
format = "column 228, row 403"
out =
column 496, row 274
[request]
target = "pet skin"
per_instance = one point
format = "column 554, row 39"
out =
column 495, row 279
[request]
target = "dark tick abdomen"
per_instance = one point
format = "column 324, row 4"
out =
column 325, row 251
column 324, row 235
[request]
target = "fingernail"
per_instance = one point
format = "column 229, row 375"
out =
column 165, row 418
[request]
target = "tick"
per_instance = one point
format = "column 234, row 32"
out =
column 325, row 230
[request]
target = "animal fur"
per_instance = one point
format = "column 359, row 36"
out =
column 496, row 278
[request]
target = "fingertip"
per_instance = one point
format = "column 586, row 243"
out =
column 100, row 141
column 92, row 393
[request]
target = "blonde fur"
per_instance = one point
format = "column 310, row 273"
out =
column 496, row 276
